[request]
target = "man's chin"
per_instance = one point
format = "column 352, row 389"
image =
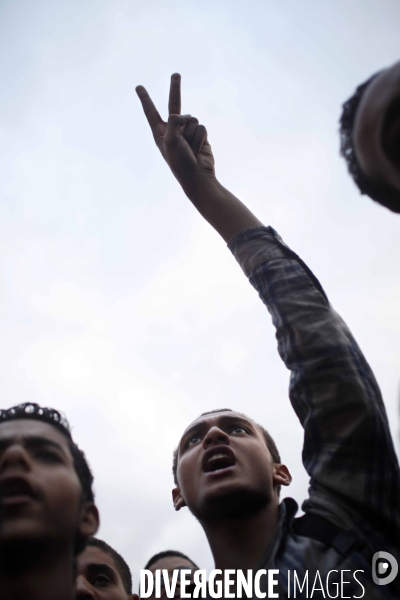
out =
column 20, row 545
column 22, row 532
column 231, row 504
column 31, row 530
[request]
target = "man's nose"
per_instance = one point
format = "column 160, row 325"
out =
column 14, row 457
column 83, row 589
column 215, row 435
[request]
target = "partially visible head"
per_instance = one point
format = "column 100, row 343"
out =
column 227, row 466
column 102, row 574
column 46, row 494
column 170, row 560
column 370, row 137
column 164, row 560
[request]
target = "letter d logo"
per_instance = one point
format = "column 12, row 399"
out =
column 384, row 568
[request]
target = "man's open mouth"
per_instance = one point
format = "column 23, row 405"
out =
column 14, row 489
column 218, row 459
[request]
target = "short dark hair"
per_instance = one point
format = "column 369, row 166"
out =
column 167, row 553
column 120, row 563
column 30, row 410
column 267, row 437
column 380, row 191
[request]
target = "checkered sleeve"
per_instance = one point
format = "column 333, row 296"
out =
column 348, row 450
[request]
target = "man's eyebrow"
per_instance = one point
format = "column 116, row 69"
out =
column 225, row 419
column 95, row 568
column 32, row 441
column 235, row 417
column 198, row 426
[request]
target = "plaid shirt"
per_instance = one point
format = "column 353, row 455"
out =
column 348, row 451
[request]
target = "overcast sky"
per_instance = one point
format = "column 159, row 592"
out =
column 119, row 306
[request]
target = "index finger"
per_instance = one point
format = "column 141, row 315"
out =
column 174, row 103
column 152, row 114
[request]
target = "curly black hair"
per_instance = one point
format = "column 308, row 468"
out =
column 379, row 191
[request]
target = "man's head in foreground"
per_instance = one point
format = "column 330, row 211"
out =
column 171, row 560
column 227, row 466
column 46, row 497
column 370, row 137
column 102, row 574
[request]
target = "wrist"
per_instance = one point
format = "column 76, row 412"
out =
column 226, row 213
column 201, row 186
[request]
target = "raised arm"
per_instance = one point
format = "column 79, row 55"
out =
column 187, row 151
column 348, row 451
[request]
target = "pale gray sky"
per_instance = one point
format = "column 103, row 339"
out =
column 119, row 305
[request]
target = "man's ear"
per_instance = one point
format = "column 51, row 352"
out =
column 178, row 499
column 90, row 519
column 281, row 475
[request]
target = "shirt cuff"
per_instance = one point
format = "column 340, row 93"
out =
column 256, row 245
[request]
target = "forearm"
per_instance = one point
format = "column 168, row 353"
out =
column 226, row 213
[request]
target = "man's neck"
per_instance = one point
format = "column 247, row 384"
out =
column 47, row 576
column 239, row 543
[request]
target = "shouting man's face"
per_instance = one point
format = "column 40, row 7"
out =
column 40, row 492
column 225, row 469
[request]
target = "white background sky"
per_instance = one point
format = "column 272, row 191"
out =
column 121, row 307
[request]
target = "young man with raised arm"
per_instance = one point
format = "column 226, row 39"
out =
column 47, row 509
column 227, row 470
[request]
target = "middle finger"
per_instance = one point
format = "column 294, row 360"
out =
column 174, row 103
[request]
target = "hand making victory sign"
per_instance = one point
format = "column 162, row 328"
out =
column 184, row 145
column 181, row 140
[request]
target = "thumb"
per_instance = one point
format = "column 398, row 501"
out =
column 173, row 132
